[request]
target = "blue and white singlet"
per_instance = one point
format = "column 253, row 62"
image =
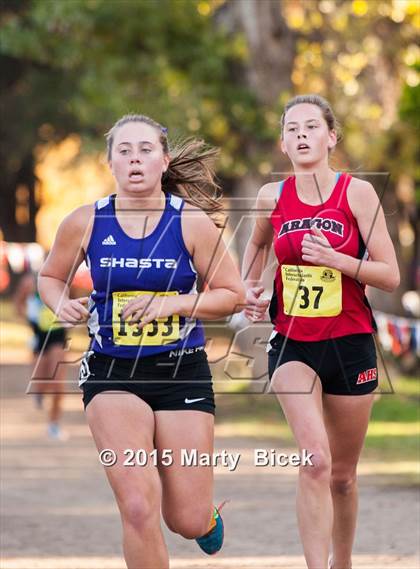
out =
column 123, row 268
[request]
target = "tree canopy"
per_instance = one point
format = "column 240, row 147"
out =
column 217, row 69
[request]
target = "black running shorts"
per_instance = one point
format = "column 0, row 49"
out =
column 345, row 365
column 166, row 381
column 43, row 340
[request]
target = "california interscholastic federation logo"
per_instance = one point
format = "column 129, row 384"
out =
column 327, row 276
column 368, row 375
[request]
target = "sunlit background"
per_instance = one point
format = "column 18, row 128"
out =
column 221, row 70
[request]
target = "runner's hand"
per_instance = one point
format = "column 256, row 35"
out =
column 72, row 312
column 256, row 307
column 316, row 249
column 146, row 308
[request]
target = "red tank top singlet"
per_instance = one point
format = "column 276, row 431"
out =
column 312, row 303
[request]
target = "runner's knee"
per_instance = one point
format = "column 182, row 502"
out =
column 189, row 522
column 343, row 484
column 139, row 510
column 320, row 470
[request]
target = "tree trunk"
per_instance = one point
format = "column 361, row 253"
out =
column 24, row 179
column 271, row 47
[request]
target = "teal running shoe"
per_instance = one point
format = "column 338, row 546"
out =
column 212, row 541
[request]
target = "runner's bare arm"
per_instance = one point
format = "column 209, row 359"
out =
column 257, row 252
column 381, row 270
column 215, row 266
column 66, row 255
column 259, row 244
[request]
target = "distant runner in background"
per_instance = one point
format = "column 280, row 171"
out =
column 48, row 344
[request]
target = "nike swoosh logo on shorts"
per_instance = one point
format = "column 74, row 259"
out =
column 194, row 400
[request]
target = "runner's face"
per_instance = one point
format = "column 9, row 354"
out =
column 306, row 137
column 137, row 159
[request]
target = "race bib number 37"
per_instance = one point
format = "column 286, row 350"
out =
column 311, row 291
column 157, row 333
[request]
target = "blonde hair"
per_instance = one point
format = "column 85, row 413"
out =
column 190, row 174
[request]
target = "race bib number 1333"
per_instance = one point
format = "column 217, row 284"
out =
column 157, row 333
column 311, row 291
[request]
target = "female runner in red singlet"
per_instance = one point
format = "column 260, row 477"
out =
column 330, row 238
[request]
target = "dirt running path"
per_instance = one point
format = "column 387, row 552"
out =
column 59, row 513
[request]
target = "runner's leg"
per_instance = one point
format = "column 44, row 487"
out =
column 187, row 504
column 119, row 421
column 346, row 419
column 40, row 371
column 57, row 376
column 300, row 394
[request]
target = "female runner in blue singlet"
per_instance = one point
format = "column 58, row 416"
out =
column 146, row 381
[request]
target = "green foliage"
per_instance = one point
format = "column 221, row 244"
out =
column 409, row 112
column 76, row 66
column 358, row 54
column 96, row 60
column 90, row 61
column 410, row 101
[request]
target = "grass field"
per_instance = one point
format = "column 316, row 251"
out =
column 394, row 427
